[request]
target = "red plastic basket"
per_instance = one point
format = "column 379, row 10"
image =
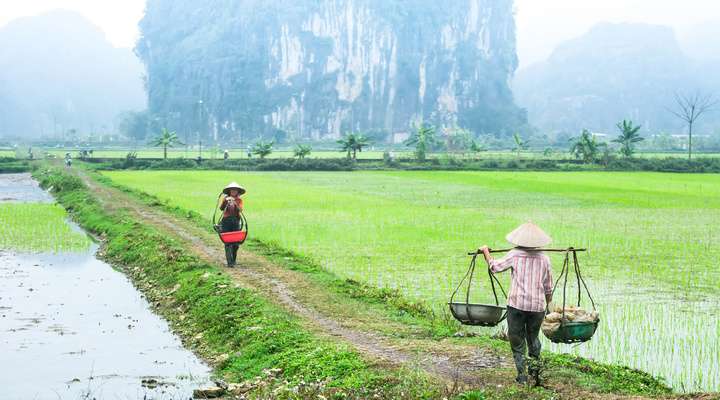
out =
column 233, row 237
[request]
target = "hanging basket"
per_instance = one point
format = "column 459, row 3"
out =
column 477, row 314
column 572, row 331
column 237, row 237
column 234, row 237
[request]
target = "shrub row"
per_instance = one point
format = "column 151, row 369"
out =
column 669, row 164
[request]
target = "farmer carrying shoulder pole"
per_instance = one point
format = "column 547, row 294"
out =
column 530, row 293
column 232, row 205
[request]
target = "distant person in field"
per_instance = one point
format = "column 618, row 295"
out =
column 530, row 294
column 68, row 160
column 226, row 155
column 232, row 205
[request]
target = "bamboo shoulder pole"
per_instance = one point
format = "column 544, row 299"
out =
column 548, row 250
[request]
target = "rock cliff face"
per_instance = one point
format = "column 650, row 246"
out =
column 315, row 69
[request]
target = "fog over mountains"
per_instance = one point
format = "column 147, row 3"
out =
column 617, row 71
column 318, row 69
column 315, row 70
column 59, row 73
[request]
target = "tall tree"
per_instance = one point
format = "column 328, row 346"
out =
column 353, row 143
column 520, row 144
column 628, row 137
column 689, row 108
column 166, row 139
column 302, row 151
column 586, row 147
column 423, row 139
column 263, row 149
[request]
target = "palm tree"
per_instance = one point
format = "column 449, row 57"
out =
column 353, row 143
column 628, row 137
column 166, row 139
column 476, row 147
column 262, row 149
column 586, row 147
column 302, row 151
column 520, row 144
column 423, row 139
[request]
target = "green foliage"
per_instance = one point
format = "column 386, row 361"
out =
column 586, row 147
column 301, row 151
column 520, row 144
column 352, row 143
column 10, row 165
column 476, row 147
column 263, row 149
column 38, row 227
column 609, row 378
column 422, row 139
column 628, row 137
column 166, row 139
column 459, row 140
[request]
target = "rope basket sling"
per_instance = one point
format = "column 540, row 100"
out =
column 573, row 331
column 477, row 314
column 234, row 237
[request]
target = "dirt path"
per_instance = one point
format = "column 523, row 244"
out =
column 250, row 274
column 456, row 364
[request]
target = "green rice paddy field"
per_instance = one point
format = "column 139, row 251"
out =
column 38, row 227
column 652, row 264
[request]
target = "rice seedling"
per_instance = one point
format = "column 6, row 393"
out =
column 39, row 227
column 650, row 238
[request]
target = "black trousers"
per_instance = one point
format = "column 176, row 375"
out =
column 523, row 331
column 230, row 224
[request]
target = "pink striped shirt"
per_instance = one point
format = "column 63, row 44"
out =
column 531, row 278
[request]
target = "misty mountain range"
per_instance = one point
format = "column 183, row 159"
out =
column 620, row 71
column 58, row 72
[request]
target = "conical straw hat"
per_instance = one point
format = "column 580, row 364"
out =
column 234, row 185
column 528, row 235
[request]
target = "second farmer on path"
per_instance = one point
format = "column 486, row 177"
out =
column 530, row 293
column 232, row 205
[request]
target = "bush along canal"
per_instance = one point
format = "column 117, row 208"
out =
column 72, row 326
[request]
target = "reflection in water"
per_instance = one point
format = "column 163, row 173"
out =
column 71, row 323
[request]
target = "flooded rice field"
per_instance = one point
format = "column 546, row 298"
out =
column 74, row 328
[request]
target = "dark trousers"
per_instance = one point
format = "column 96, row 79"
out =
column 523, row 330
column 231, row 224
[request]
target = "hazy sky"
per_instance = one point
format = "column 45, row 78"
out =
column 542, row 24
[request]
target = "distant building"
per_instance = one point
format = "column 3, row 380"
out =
column 400, row 137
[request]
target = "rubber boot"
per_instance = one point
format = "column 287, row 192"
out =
column 236, row 247
column 534, row 369
column 229, row 256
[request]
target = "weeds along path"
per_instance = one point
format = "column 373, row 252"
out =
column 282, row 286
